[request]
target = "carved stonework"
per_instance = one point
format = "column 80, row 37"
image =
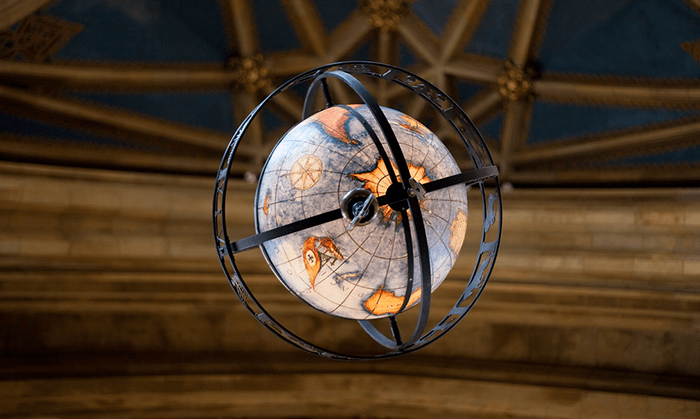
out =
column 250, row 74
column 36, row 38
column 515, row 83
column 385, row 15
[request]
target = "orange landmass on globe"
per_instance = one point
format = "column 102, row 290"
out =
column 378, row 181
column 333, row 123
column 386, row 302
column 413, row 125
column 266, row 204
column 311, row 250
column 312, row 262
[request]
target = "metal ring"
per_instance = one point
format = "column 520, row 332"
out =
column 485, row 174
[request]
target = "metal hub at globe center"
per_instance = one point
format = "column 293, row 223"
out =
column 360, row 208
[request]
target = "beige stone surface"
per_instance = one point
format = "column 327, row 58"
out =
column 103, row 264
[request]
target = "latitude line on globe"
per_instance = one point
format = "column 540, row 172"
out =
column 468, row 177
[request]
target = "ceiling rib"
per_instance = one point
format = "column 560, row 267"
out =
column 348, row 36
column 290, row 105
column 286, row 64
column 515, row 129
column 522, row 39
column 603, row 176
column 419, row 38
column 620, row 92
column 307, row 24
column 243, row 27
column 111, row 78
column 26, row 149
column 442, row 59
column 114, row 119
column 695, row 3
column 243, row 104
column 481, row 71
column 627, row 141
column 387, row 52
column 518, row 112
column 461, row 27
column 483, row 105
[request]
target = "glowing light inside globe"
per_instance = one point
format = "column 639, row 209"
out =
column 361, row 272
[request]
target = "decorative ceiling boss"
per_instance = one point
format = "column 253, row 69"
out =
column 249, row 74
column 516, row 83
column 385, row 15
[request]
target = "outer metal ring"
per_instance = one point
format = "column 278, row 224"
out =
column 484, row 174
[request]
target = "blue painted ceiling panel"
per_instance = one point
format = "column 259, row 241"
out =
column 21, row 126
column 555, row 121
column 639, row 38
column 143, row 30
column 492, row 37
column 209, row 110
column 677, row 156
column 491, row 129
column 333, row 13
column 435, row 13
column 406, row 56
column 466, row 90
column 273, row 23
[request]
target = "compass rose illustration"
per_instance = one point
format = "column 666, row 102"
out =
column 306, row 171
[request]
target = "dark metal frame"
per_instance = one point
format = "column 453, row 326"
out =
column 485, row 175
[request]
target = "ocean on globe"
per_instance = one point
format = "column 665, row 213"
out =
column 359, row 273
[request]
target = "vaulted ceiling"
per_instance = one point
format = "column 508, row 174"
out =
column 595, row 93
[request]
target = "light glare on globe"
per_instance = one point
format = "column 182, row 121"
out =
column 362, row 272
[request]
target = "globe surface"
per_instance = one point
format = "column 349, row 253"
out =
column 360, row 273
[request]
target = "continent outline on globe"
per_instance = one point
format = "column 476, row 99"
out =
column 333, row 140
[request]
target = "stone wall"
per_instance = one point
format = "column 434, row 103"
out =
column 113, row 304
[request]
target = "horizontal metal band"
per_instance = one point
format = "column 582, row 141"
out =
column 467, row 177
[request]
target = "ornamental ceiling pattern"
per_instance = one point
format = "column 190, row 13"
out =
column 599, row 93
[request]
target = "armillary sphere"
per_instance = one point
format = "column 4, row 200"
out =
column 361, row 210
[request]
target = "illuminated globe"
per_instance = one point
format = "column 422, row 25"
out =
column 357, row 272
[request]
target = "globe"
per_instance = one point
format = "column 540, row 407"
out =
column 356, row 271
